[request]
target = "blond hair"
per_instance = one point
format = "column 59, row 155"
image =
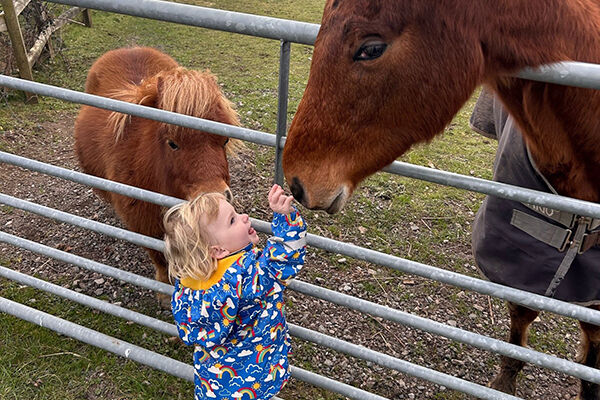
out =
column 187, row 242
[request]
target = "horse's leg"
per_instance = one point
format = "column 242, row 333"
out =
column 161, row 275
column 520, row 319
column 589, row 355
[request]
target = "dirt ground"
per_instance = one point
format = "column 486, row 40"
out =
column 52, row 143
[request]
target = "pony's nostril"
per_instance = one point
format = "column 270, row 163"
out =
column 297, row 189
column 228, row 195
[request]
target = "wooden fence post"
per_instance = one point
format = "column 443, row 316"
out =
column 16, row 38
column 87, row 17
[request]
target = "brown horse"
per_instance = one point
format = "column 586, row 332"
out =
column 388, row 74
column 168, row 159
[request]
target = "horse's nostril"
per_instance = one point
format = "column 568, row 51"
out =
column 228, row 195
column 297, row 189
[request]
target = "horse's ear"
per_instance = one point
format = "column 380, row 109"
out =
column 145, row 94
column 148, row 92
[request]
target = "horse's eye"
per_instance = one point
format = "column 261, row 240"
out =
column 172, row 145
column 370, row 51
column 226, row 141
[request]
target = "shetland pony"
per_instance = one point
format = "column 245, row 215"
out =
column 156, row 156
column 388, row 74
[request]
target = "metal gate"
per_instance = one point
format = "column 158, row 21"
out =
column 576, row 74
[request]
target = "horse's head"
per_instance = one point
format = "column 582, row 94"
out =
column 384, row 75
column 184, row 162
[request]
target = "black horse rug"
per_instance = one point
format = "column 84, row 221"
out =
column 537, row 249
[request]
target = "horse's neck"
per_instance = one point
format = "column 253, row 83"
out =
column 561, row 124
column 519, row 33
column 562, row 129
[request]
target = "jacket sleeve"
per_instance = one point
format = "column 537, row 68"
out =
column 283, row 256
column 204, row 317
column 269, row 272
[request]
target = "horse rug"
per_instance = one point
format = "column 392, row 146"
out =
column 520, row 245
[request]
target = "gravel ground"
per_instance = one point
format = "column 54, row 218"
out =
column 52, row 142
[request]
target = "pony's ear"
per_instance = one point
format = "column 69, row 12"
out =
column 146, row 94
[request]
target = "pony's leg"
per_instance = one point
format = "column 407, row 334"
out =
column 161, row 275
column 589, row 355
column 520, row 319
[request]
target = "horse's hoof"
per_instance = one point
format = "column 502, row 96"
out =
column 504, row 384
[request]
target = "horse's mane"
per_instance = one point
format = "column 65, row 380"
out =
column 178, row 90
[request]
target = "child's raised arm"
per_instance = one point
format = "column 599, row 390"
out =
column 283, row 256
column 284, row 253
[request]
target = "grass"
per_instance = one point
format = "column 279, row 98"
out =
column 57, row 365
column 417, row 220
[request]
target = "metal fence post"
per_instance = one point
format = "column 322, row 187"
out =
column 282, row 106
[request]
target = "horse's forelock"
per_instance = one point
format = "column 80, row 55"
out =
column 182, row 91
column 198, row 94
column 187, row 92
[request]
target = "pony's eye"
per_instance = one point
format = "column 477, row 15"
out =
column 370, row 51
column 226, row 141
column 172, row 145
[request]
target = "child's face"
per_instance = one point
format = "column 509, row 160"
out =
column 230, row 231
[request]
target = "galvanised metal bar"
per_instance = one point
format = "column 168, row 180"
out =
column 498, row 189
column 86, row 263
column 187, row 121
column 480, row 392
column 414, row 171
column 89, row 301
column 150, row 358
column 571, row 73
column 567, row 73
column 521, row 297
column 452, row 278
column 306, row 334
column 211, row 18
column 450, row 332
column 459, row 335
column 97, row 339
column 295, row 330
column 123, row 234
column 282, row 107
column 89, row 180
column 331, row 385
column 456, row 334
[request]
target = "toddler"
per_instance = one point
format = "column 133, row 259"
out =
column 228, row 296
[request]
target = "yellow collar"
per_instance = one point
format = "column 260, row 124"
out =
column 222, row 265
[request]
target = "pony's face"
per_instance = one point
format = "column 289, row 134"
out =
column 193, row 162
column 185, row 162
column 384, row 75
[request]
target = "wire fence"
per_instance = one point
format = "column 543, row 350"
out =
column 576, row 74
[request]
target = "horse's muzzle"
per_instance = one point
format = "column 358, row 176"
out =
column 297, row 190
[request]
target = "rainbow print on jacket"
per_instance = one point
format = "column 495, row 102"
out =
column 238, row 325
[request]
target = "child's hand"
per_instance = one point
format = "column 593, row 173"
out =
column 279, row 202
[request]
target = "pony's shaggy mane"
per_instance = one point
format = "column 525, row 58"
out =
column 180, row 90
